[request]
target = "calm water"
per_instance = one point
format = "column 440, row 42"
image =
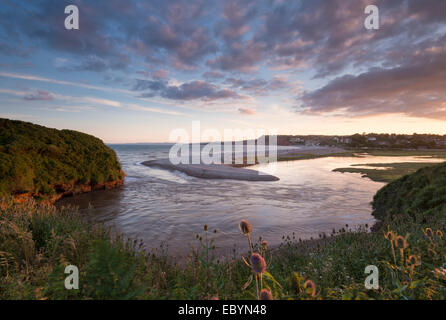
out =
column 158, row 206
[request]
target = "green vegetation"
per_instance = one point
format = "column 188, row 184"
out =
column 368, row 141
column 386, row 172
column 38, row 241
column 308, row 156
column 357, row 153
column 421, row 192
column 45, row 162
column 405, row 153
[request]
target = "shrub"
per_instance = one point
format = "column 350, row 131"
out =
column 35, row 159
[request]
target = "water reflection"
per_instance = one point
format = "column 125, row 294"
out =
column 162, row 206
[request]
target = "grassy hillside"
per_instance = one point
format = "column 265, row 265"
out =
column 45, row 162
column 37, row 242
column 421, row 192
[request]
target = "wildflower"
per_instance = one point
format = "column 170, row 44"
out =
column 245, row 227
column 390, row 236
column 400, row 242
column 428, row 232
column 266, row 295
column 412, row 260
column 214, row 298
column 264, row 245
column 309, row 286
column 258, row 264
column 206, row 227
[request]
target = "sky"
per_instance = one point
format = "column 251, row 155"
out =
column 135, row 71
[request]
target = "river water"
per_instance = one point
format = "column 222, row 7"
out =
column 160, row 206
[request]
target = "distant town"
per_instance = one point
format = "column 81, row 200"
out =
column 369, row 140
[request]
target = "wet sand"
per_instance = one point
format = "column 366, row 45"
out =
column 213, row 171
column 223, row 171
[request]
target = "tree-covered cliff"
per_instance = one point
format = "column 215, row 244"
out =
column 48, row 163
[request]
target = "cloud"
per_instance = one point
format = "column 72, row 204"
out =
column 212, row 75
column 233, row 36
column 259, row 86
column 175, row 31
column 95, row 64
column 152, row 85
column 160, row 74
column 236, row 17
column 122, row 105
column 39, row 95
column 14, row 50
column 242, row 57
column 416, row 89
column 244, row 42
column 193, row 90
column 247, row 111
column 71, row 108
column 60, row 82
column 91, row 102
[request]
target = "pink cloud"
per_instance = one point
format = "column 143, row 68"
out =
column 247, row 111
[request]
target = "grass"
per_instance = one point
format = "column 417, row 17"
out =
column 421, row 192
column 308, row 156
column 38, row 241
column 373, row 152
column 431, row 153
column 388, row 172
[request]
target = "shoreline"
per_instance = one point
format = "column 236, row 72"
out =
column 212, row 171
column 238, row 171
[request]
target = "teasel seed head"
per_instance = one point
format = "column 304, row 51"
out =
column 258, row 264
column 310, row 285
column 266, row 295
column 412, row 260
column 245, row 227
column 400, row 242
column 389, row 236
column 428, row 232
